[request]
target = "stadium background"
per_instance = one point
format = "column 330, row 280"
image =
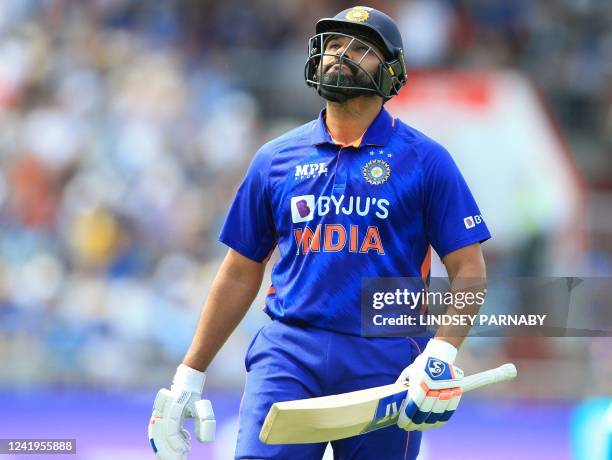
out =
column 125, row 127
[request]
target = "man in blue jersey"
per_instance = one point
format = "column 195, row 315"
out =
column 354, row 194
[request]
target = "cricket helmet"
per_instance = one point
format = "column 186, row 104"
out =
column 360, row 24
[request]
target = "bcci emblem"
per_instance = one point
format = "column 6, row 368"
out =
column 358, row 14
column 376, row 172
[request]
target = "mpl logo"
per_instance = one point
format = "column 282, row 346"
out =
column 310, row 170
column 435, row 367
column 302, row 208
column 472, row 221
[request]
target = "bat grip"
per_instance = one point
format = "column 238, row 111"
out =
column 499, row 374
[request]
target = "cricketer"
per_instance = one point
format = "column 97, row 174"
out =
column 355, row 193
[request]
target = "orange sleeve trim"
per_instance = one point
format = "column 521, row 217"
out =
column 426, row 264
column 269, row 255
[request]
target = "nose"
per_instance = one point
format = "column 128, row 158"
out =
column 345, row 47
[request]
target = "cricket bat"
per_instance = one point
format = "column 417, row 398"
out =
column 349, row 414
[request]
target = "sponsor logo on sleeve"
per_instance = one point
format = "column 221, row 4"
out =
column 472, row 221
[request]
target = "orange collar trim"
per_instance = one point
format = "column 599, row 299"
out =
column 356, row 143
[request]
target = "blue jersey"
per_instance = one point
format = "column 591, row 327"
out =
column 342, row 213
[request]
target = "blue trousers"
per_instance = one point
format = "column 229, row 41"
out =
column 286, row 362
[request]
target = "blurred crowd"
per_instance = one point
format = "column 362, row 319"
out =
column 125, row 126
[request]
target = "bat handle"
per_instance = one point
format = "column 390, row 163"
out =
column 499, row 374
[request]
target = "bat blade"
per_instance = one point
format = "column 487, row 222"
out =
column 333, row 417
column 341, row 416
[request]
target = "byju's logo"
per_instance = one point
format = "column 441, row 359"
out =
column 435, row 367
column 472, row 221
column 305, row 207
column 302, row 208
column 310, row 170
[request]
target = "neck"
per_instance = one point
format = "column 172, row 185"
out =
column 347, row 121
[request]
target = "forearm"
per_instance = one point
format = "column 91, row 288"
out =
column 468, row 279
column 231, row 294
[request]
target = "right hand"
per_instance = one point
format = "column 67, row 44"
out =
column 170, row 441
column 434, row 392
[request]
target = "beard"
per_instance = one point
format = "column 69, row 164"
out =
column 346, row 75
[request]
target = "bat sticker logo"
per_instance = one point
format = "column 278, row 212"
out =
column 387, row 411
column 435, row 367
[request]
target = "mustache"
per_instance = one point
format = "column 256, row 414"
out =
column 346, row 64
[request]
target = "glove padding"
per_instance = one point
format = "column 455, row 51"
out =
column 168, row 438
column 433, row 392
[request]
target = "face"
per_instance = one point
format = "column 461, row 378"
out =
column 350, row 75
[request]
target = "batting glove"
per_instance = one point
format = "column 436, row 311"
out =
column 170, row 441
column 434, row 392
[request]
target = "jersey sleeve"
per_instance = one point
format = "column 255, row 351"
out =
column 249, row 226
column 452, row 217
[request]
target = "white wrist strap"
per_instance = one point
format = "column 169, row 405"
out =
column 441, row 350
column 188, row 379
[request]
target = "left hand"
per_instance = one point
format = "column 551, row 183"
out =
column 434, row 392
